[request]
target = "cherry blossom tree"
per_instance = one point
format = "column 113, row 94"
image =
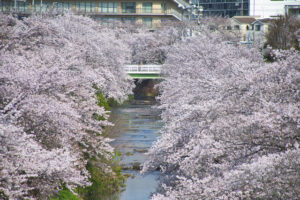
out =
column 50, row 69
column 231, row 123
column 151, row 47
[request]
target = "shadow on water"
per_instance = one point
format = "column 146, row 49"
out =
column 137, row 126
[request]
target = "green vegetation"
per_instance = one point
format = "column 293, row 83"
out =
column 112, row 102
column 105, row 102
column 98, row 117
column 65, row 194
column 102, row 101
column 103, row 183
column 129, row 154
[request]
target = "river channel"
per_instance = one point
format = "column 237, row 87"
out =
column 137, row 126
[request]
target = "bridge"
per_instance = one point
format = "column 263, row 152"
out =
column 144, row 71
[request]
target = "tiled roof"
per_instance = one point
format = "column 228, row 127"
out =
column 266, row 20
column 244, row 20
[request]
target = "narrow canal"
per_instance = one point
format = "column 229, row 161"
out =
column 136, row 127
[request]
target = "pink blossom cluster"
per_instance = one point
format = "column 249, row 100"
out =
column 231, row 123
column 50, row 69
column 151, row 47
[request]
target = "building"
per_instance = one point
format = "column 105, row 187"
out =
column 293, row 10
column 273, row 8
column 259, row 30
column 224, row 8
column 249, row 29
column 242, row 25
column 148, row 12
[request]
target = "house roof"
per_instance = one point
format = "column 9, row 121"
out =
column 262, row 21
column 266, row 20
column 244, row 19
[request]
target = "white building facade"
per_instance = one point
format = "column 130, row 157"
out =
column 273, row 8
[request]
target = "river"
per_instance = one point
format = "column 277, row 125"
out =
column 137, row 126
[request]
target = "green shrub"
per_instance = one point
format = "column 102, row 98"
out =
column 102, row 101
column 98, row 117
column 65, row 194
column 103, row 184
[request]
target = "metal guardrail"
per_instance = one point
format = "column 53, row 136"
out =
column 143, row 69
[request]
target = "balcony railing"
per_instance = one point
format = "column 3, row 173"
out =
column 90, row 10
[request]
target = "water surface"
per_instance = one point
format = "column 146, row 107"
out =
column 136, row 128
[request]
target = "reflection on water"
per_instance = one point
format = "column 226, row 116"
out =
column 136, row 127
column 140, row 187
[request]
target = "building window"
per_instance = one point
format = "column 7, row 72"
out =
column 229, row 28
column 37, row 7
column 67, row 6
column 80, row 6
column 89, row 7
column 128, row 7
column 85, row 6
column 3, row 6
column 236, row 27
column 163, row 7
column 147, row 7
column 147, row 21
column 20, row 6
column 108, row 7
column 41, row 7
column 58, row 6
column 257, row 27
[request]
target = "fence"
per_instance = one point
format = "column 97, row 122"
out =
column 143, row 69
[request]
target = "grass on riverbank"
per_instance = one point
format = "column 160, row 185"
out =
column 104, row 183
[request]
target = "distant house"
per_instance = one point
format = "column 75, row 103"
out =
column 243, row 26
column 259, row 30
column 249, row 28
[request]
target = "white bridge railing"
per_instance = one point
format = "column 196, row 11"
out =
column 143, row 69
